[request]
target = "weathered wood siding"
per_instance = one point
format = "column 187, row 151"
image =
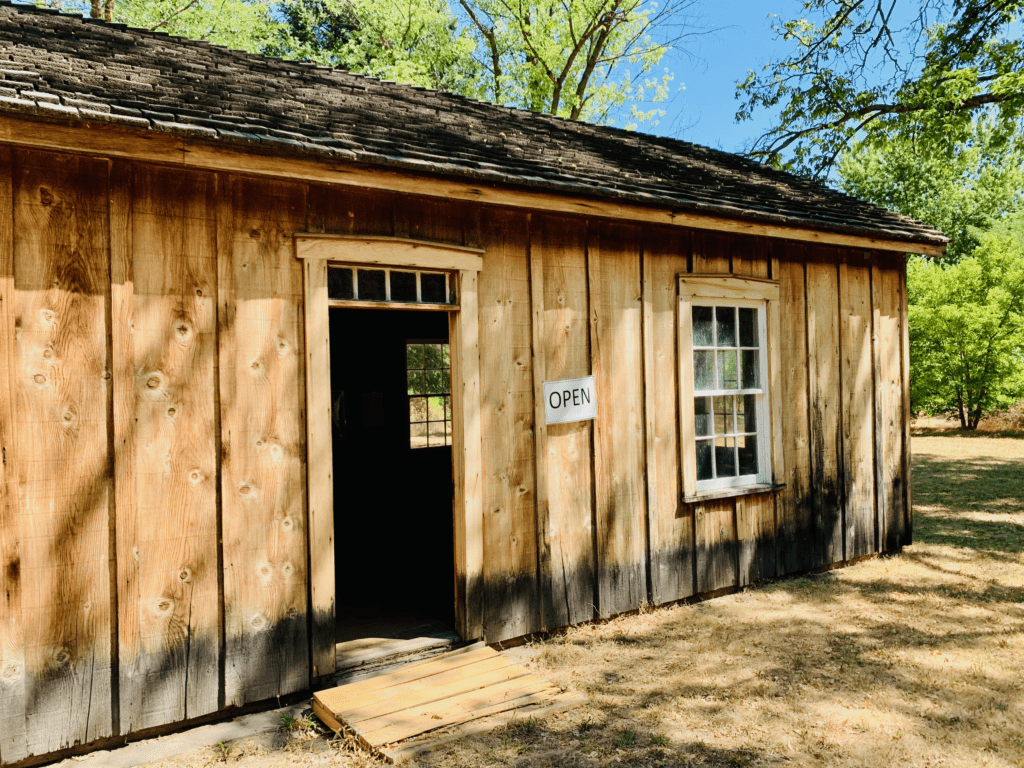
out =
column 154, row 531
column 611, row 530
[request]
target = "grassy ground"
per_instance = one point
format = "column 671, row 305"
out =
column 914, row 660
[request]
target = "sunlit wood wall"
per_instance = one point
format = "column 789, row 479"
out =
column 153, row 539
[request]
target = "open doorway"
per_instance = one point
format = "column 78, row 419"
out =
column 391, row 414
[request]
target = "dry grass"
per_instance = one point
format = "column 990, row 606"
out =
column 915, row 660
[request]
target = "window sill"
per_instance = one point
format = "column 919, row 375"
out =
column 728, row 493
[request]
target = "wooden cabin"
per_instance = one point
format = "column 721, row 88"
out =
column 285, row 349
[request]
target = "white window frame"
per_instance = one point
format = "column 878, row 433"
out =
column 731, row 291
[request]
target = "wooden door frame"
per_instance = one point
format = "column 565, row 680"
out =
column 316, row 252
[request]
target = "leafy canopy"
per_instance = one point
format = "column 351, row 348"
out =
column 967, row 327
column 418, row 42
column 881, row 68
column 583, row 60
column 957, row 189
column 239, row 24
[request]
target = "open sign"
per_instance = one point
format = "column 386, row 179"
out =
column 569, row 400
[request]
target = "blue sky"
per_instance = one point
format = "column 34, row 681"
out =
column 704, row 111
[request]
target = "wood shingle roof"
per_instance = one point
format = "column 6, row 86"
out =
column 63, row 68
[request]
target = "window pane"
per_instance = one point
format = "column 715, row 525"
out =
column 417, row 383
column 747, row 450
column 723, row 416
column 704, row 471
column 448, row 410
column 433, row 289
column 702, row 416
column 727, row 378
column 725, row 456
column 703, row 370
column 414, row 356
column 437, row 433
column 418, row 435
column 339, row 283
column 751, row 368
column 748, row 327
column 371, row 285
column 726, row 321
column 403, row 286
column 703, row 333
column 432, row 356
column 747, row 413
column 435, row 409
column 417, row 409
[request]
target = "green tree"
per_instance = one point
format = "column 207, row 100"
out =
column 240, row 24
column 967, row 327
column 582, row 60
column 879, row 68
column 957, row 189
column 418, row 42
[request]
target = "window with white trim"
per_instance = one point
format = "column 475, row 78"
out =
column 726, row 407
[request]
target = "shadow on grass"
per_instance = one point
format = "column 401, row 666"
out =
column 908, row 660
column 954, row 433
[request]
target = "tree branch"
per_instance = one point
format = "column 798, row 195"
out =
column 166, row 21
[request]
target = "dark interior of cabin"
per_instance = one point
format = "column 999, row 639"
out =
column 391, row 409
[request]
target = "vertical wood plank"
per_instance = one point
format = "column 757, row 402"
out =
column 857, row 404
column 823, row 369
column 715, row 524
column 558, row 247
column 13, row 742
column 467, row 459
column 172, row 673
column 510, row 596
column 225, row 383
column 795, row 509
column 320, row 467
column 755, row 515
column 551, row 616
column 908, row 509
column 666, row 255
column 263, row 447
column 887, row 307
column 122, row 346
column 617, row 360
column 65, row 472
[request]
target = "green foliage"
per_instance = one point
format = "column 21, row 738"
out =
column 418, row 42
column 879, row 68
column 967, row 327
column 957, row 189
column 583, row 60
column 239, row 24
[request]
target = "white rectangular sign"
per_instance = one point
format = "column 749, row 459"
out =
column 569, row 400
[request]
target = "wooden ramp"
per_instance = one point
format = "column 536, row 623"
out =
column 398, row 713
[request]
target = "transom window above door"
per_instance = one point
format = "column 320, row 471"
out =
column 384, row 285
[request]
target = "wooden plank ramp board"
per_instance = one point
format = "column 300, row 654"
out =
column 398, row 714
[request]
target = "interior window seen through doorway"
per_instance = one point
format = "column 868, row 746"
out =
column 428, row 367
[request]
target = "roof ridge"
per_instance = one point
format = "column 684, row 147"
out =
column 70, row 68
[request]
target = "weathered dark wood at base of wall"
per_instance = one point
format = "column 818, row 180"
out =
column 154, row 538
